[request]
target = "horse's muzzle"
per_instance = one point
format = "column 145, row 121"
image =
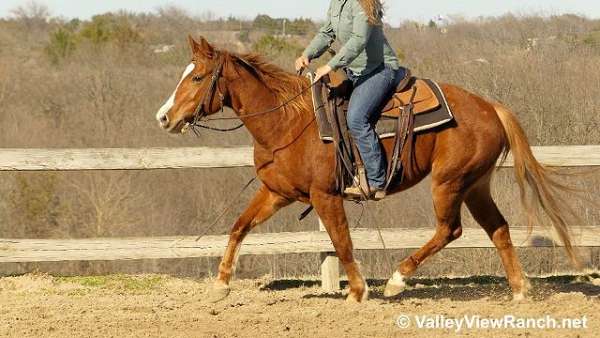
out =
column 163, row 120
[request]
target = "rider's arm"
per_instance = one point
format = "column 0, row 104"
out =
column 322, row 40
column 361, row 32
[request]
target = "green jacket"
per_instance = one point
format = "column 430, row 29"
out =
column 365, row 46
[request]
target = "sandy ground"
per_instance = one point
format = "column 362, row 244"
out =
column 161, row 306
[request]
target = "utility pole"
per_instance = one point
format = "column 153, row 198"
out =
column 284, row 23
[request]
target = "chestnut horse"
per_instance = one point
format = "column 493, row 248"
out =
column 293, row 164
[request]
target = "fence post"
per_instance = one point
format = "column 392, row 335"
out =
column 330, row 268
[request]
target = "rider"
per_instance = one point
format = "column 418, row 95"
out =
column 372, row 65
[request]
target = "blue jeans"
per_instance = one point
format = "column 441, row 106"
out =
column 370, row 92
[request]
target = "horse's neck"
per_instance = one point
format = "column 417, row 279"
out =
column 272, row 129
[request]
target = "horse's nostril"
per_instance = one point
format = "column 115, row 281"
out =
column 163, row 119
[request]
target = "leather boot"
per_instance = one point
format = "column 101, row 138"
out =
column 356, row 192
column 378, row 194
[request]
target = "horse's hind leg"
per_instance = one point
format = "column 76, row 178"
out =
column 447, row 200
column 264, row 204
column 484, row 210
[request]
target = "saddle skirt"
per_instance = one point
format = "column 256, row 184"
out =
column 430, row 107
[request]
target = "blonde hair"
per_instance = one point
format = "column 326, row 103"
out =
column 374, row 11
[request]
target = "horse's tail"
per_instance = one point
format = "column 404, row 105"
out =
column 543, row 190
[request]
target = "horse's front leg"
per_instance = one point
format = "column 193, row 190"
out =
column 264, row 204
column 331, row 211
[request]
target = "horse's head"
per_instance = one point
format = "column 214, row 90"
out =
column 201, row 90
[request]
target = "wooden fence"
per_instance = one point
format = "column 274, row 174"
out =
column 42, row 250
column 200, row 157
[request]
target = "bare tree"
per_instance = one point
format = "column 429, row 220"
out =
column 107, row 202
column 207, row 16
column 32, row 14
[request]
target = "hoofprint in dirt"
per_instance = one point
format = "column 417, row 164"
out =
column 161, row 306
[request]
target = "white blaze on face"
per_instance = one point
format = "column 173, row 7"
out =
column 171, row 101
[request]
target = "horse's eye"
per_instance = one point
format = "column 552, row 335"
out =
column 197, row 78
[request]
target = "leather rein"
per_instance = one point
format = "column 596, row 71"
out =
column 201, row 114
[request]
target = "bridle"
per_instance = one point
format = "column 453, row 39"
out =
column 200, row 113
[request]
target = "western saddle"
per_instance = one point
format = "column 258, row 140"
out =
column 413, row 96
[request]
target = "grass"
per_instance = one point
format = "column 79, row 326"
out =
column 119, row 281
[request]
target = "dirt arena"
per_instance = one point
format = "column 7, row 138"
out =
column 161, row 306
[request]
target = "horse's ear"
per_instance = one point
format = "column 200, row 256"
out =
column 202, row 48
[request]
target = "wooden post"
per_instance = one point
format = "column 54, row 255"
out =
column 330, row 268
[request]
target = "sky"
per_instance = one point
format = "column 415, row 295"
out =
column 397, row 10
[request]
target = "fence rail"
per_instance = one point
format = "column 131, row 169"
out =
column 124, row 159
column 45, row 250
column 109, row 249
column 201, row 157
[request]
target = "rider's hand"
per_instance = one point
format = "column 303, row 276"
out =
column 322, row 71
column 301, row 63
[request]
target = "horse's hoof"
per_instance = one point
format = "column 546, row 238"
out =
column 354, row 299
column 395, row 285
column 519, row 297
column 218, row 292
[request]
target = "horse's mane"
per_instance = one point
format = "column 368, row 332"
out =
column 284, row 84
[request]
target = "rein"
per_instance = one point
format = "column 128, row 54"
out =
column 200, row 114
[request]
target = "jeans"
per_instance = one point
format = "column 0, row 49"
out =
column 370, row 92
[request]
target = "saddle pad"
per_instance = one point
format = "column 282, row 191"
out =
column 386, row 126
column 424, row 121
column 425, row 100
